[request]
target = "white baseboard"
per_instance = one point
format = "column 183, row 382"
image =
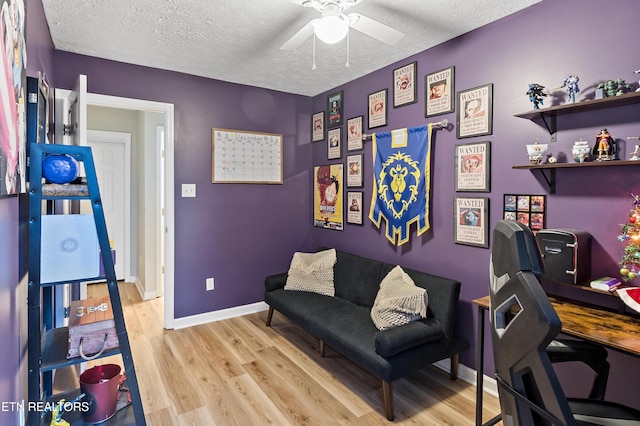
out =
column 219, row 315
column 145, row 295
column 469, row 375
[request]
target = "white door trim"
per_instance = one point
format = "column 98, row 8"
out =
column 121, row 138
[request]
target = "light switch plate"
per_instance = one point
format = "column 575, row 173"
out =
column 188, row 190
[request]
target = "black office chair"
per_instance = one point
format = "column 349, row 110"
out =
column 523, row 324
column 559, row 350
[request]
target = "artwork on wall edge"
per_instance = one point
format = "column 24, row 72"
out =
column 317, row 126
column 335, row 107
column 355, row 207
column 377, row 108
column 13, row 152
column 405, row 88
column 473, row 167
column 327, row 200
column 334, row 143
column 355, row 170
column 471, row 221
column 439, row 88
column 354, row 133
column 475, row 112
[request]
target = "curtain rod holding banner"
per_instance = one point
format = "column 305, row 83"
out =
column 443, row 124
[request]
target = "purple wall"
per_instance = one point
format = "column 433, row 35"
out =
column 541, row 44
column 240, row 233
column 234, row 233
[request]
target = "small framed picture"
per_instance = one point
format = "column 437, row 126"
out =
column 475, row 112
column 334, row 143
column 354, row 207
column 317, row 126
column 377, row 107
column 354, row 133
column 354, row 170
column 335, row 106
column 439, row 89
column 405, row 89
column 473, row 167
column 523, row 203
column 528, row 209
column 471, row 222
column 510, row 203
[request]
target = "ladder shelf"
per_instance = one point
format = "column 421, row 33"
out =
column 47, row 345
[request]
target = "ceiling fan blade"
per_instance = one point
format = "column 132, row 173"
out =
column 300, row 37
column 374, row 29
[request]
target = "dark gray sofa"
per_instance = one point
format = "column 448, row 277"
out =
column 344, row 323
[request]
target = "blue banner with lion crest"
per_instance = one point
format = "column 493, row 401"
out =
column 401, row 181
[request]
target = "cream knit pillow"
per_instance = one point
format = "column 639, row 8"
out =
column 399, row 301
column 312, row 272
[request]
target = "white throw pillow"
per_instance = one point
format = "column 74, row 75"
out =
column 399, row 301
column 312, row 272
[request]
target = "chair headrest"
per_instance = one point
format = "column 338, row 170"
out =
column 514, row 248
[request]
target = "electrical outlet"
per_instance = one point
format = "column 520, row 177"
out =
column 210, row 284
column 188, row 190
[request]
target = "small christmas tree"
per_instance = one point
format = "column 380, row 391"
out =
column 630, row 232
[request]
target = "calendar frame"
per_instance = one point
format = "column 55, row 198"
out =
column 220, row 136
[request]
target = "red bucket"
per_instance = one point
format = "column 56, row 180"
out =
column 100, row 386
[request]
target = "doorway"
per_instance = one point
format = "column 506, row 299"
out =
column 155, row 214
column 158, row 216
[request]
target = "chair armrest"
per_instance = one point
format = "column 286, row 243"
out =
column 398, row 339
column 274, row 282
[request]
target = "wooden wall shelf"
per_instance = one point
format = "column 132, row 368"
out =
column 572, row 108
column 584, row 106
column 550, row 175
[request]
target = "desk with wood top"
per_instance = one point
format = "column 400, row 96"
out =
column 611, row 330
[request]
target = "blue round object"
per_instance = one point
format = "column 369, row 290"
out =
column 60, row 168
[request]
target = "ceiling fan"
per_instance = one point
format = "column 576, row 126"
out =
column 334, row 25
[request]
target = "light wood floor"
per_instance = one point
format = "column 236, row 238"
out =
column 240, row 372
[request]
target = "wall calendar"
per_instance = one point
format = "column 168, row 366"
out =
column 246, row 157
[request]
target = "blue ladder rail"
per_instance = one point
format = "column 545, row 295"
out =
column 37, row 322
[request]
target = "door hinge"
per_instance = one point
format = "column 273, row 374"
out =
column 67, row 129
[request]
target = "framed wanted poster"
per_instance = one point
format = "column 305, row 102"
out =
column 377, row 107
column 439, row 92
column 471, row 221
column 473, row 167
column 475, row 112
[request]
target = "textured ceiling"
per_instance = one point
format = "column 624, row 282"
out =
column 239, row 40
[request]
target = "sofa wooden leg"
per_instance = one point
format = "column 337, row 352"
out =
column 322, row 348
column 269, row 316
column 453, row 375
column 387, row 390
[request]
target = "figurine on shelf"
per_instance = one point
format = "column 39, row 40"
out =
column 537, row 152
column 612, row 88
column 571, row 86
column 581, row 151
column 536, row 92
column 637, row 72
column 635, row 155
column 605, row 147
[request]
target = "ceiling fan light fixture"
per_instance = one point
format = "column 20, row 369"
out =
column 332, row 28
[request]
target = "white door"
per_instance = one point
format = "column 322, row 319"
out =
column 112, row 161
